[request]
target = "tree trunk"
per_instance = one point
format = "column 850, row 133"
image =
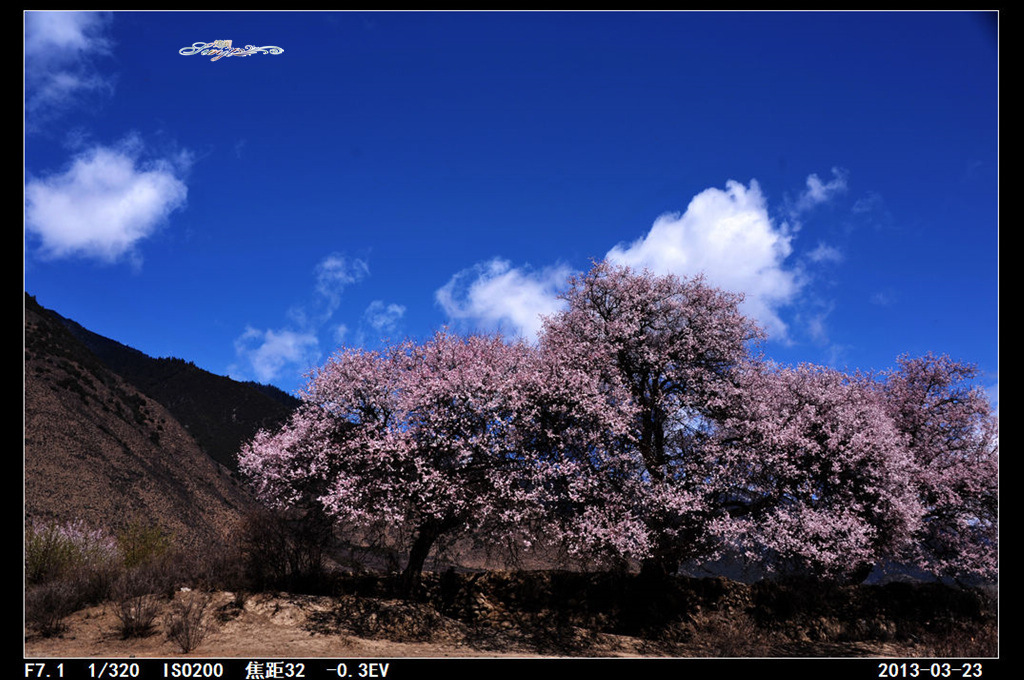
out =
column 427, row 534
column 662, row 564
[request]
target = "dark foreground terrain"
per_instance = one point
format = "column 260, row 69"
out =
column 550, row 614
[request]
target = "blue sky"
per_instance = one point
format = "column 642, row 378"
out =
column 391, row 173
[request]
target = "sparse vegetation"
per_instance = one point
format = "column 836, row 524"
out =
column 67, row 566
column 70, row 566
column 187, row 622
column 136, row 612
column 136, row 597
column 526, row 612
column 284, row 550
column 53, row 551
column 48, row 605
column 141, row 544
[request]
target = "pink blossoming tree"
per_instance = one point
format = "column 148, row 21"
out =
column 820, row 474
column 835, row 474
column 651, row 362
column 952, row 435
column 418, row 442
column 641, row 429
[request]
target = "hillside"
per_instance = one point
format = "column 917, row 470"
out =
column 98, row 449
column 217, row 411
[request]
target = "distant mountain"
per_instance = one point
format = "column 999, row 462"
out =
column 100, row 448
column 219, row 412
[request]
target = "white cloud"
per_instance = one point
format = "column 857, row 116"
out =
column 335, row 273
column 814, row 318
column 728, row 236
column 872, row 211
column 59, row 70
column 287, row 352
column 725, row 234
column 825, row 253
column 340, row 333
column 63, row 35
column 816, row 328
column 883, row 298
column 495, row 296
column 818, row 192
column 383, row 318
column 269, row 352
column 105, row 203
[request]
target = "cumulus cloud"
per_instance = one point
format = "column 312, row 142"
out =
column 60, row 53
column 494, row 296
column 729, row 237
column 105, row 203
column 725, row 234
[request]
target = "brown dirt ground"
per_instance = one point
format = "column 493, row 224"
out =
column 305, row 626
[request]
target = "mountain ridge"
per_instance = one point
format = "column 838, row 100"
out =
column 154, row 445
column 219, row 411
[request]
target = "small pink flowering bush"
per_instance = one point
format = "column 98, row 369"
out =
column 67, row 566
column 53, row 550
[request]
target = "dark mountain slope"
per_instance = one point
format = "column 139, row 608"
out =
column 97, row 449
column 219, row 412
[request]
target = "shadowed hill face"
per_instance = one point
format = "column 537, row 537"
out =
column 99, row 450
column 220, row 413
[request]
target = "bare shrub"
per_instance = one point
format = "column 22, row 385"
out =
column 136, row 605
column 48, row 605
column 187, row 623
column 67, row 566
column 728, row 635
column 47, row 553
column 167, row 573
column 137, row 615
column 963, row 640
column 217, row 567
column 95, row 585
column 285, row 549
